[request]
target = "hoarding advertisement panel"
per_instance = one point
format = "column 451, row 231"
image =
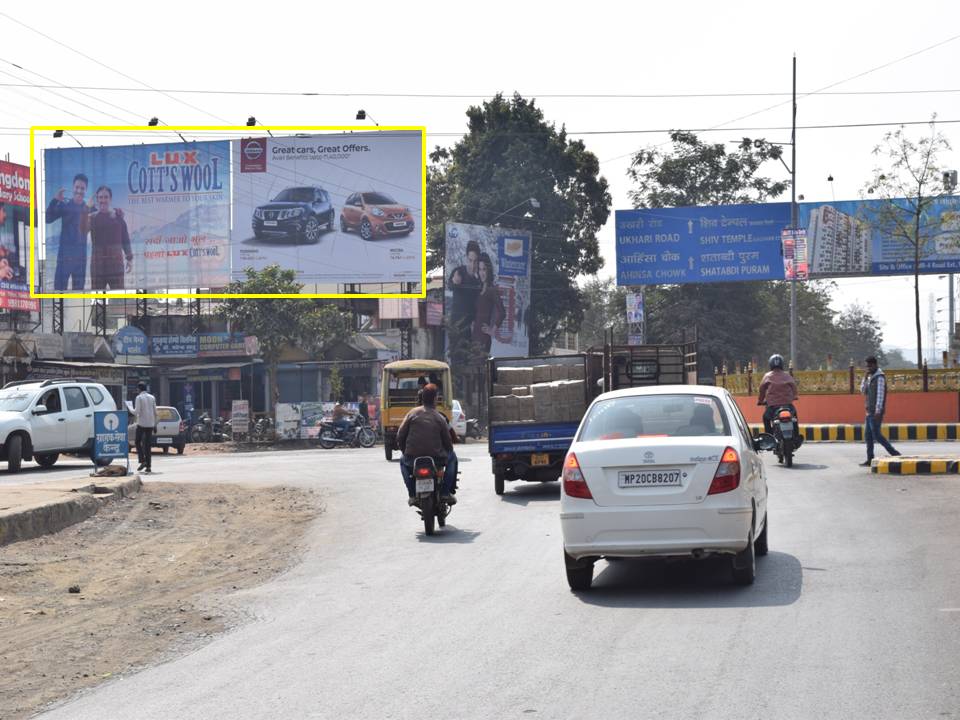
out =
column 487, row 290
column 137, row 216
column 860, row 237
column 335, row 208
column 14, row 230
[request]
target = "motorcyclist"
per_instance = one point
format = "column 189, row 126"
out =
column 778, row 390
column 341, row 417
column 424, row 432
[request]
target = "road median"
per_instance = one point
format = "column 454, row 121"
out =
column 901, row 465
column 900, row 432
column 29, row 511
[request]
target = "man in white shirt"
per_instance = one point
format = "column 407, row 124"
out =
column 145, row 411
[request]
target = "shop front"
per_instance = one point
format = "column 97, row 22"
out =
column 212, row 387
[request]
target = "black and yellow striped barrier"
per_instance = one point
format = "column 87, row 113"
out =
column 916, row 466
column 854, row 433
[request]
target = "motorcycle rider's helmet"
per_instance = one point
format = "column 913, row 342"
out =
column 776, row 361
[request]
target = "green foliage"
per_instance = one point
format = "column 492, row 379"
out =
column 696, row 173
column 309, row 324
column 604, row 310
column 511, row 153
column 336, row 383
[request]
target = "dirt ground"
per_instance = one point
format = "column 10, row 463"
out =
column 142, row 580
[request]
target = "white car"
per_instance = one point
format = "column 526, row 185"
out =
column 459, row 421
column 42, row 419
column 170, row 432
column 669, row 470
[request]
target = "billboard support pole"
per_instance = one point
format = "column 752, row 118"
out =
column 793, row 217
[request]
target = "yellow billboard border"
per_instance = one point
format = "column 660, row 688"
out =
column 250, row 131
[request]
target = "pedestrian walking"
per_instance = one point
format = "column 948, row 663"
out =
column 874, row 388
column 145, row 411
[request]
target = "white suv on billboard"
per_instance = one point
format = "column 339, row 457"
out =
column 42, row 419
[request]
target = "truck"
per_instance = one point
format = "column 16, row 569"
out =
column 535, row 404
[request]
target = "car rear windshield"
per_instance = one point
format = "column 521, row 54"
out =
column 378, row 199
column 15, row 400
column 166, row 414
column 301, row 195
column 684, row 415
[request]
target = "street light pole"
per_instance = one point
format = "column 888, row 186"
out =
column 793, row 217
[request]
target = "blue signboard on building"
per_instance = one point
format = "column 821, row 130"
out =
column 130, row 340
column 670, row 246
column 174, row 345
column 110, row 434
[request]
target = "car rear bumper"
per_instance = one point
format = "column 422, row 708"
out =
column 589, row 530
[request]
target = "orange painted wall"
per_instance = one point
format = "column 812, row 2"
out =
column 930, row 407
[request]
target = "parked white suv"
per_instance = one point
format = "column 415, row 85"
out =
column 40, row 419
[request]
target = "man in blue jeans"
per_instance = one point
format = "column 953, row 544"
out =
column 424, row 432
column 874, row 388
column 74, row 227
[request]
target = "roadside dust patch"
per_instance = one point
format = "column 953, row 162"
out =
column 145, row 578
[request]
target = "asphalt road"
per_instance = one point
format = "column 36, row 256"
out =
column 855, row 612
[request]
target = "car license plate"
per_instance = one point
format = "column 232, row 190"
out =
column 399, row 225
column 424, row 485
column 164, row 441
column 662, row 477
column 270, row 223
column 538, row 459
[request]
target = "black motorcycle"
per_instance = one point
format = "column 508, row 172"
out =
column 428, row 486
column 475, row 428
column 786, row 431
column 357, row 434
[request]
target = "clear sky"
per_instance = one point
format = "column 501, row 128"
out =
column 366, row 54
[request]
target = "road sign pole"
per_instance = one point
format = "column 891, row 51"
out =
column 793, row 218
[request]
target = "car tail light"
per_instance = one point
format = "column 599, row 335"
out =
column 727, row 476
column 786, row 415
column 573, row 483
column 183, row 426
column 424, row 472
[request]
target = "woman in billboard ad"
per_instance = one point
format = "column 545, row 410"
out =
column 490, row 311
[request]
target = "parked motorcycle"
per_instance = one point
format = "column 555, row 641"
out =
column 263, row 429
column 357, row 433
column 475, row 428
column 428, row 486
column 786, row 431
column 206, row 429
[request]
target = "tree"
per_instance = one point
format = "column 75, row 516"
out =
column 336, row 383
column 510, row 153
column 604, row 310
column 908, row 188
column 728, row 316
column 308, row 323
column 860, row 335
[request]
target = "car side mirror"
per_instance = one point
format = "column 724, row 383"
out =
column 764, row 441
column 39, row 409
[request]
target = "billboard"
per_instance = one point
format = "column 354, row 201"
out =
column 335, row 208
column 487, row 292
column 723, row 243
column 796, row 264
column 137, row 216
column 14, row 241
column 860, row 237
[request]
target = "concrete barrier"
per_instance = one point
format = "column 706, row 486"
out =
column 895, row 433
column 916, row 466
column 29, row 511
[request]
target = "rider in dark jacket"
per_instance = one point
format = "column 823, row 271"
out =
column 424, row 432
column 777, row 389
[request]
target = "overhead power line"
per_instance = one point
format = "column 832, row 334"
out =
column 472, row 96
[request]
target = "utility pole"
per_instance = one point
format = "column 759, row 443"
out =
column 793, row 217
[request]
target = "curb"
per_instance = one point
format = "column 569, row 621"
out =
column 916, row 466
column 921, row 432
column 74, row 505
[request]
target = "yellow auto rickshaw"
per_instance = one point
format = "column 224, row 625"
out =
column 398, row 394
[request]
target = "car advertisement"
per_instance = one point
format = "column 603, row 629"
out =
column 154, row 217
column 487, row 291
column 14, row 240
column 342, row 208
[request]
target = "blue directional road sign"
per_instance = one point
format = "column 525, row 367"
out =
column 110, row 434
column 723, row 243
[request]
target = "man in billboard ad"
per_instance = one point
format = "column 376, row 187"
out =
column 487, row 293
column 335, row 208
column 150, row 217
